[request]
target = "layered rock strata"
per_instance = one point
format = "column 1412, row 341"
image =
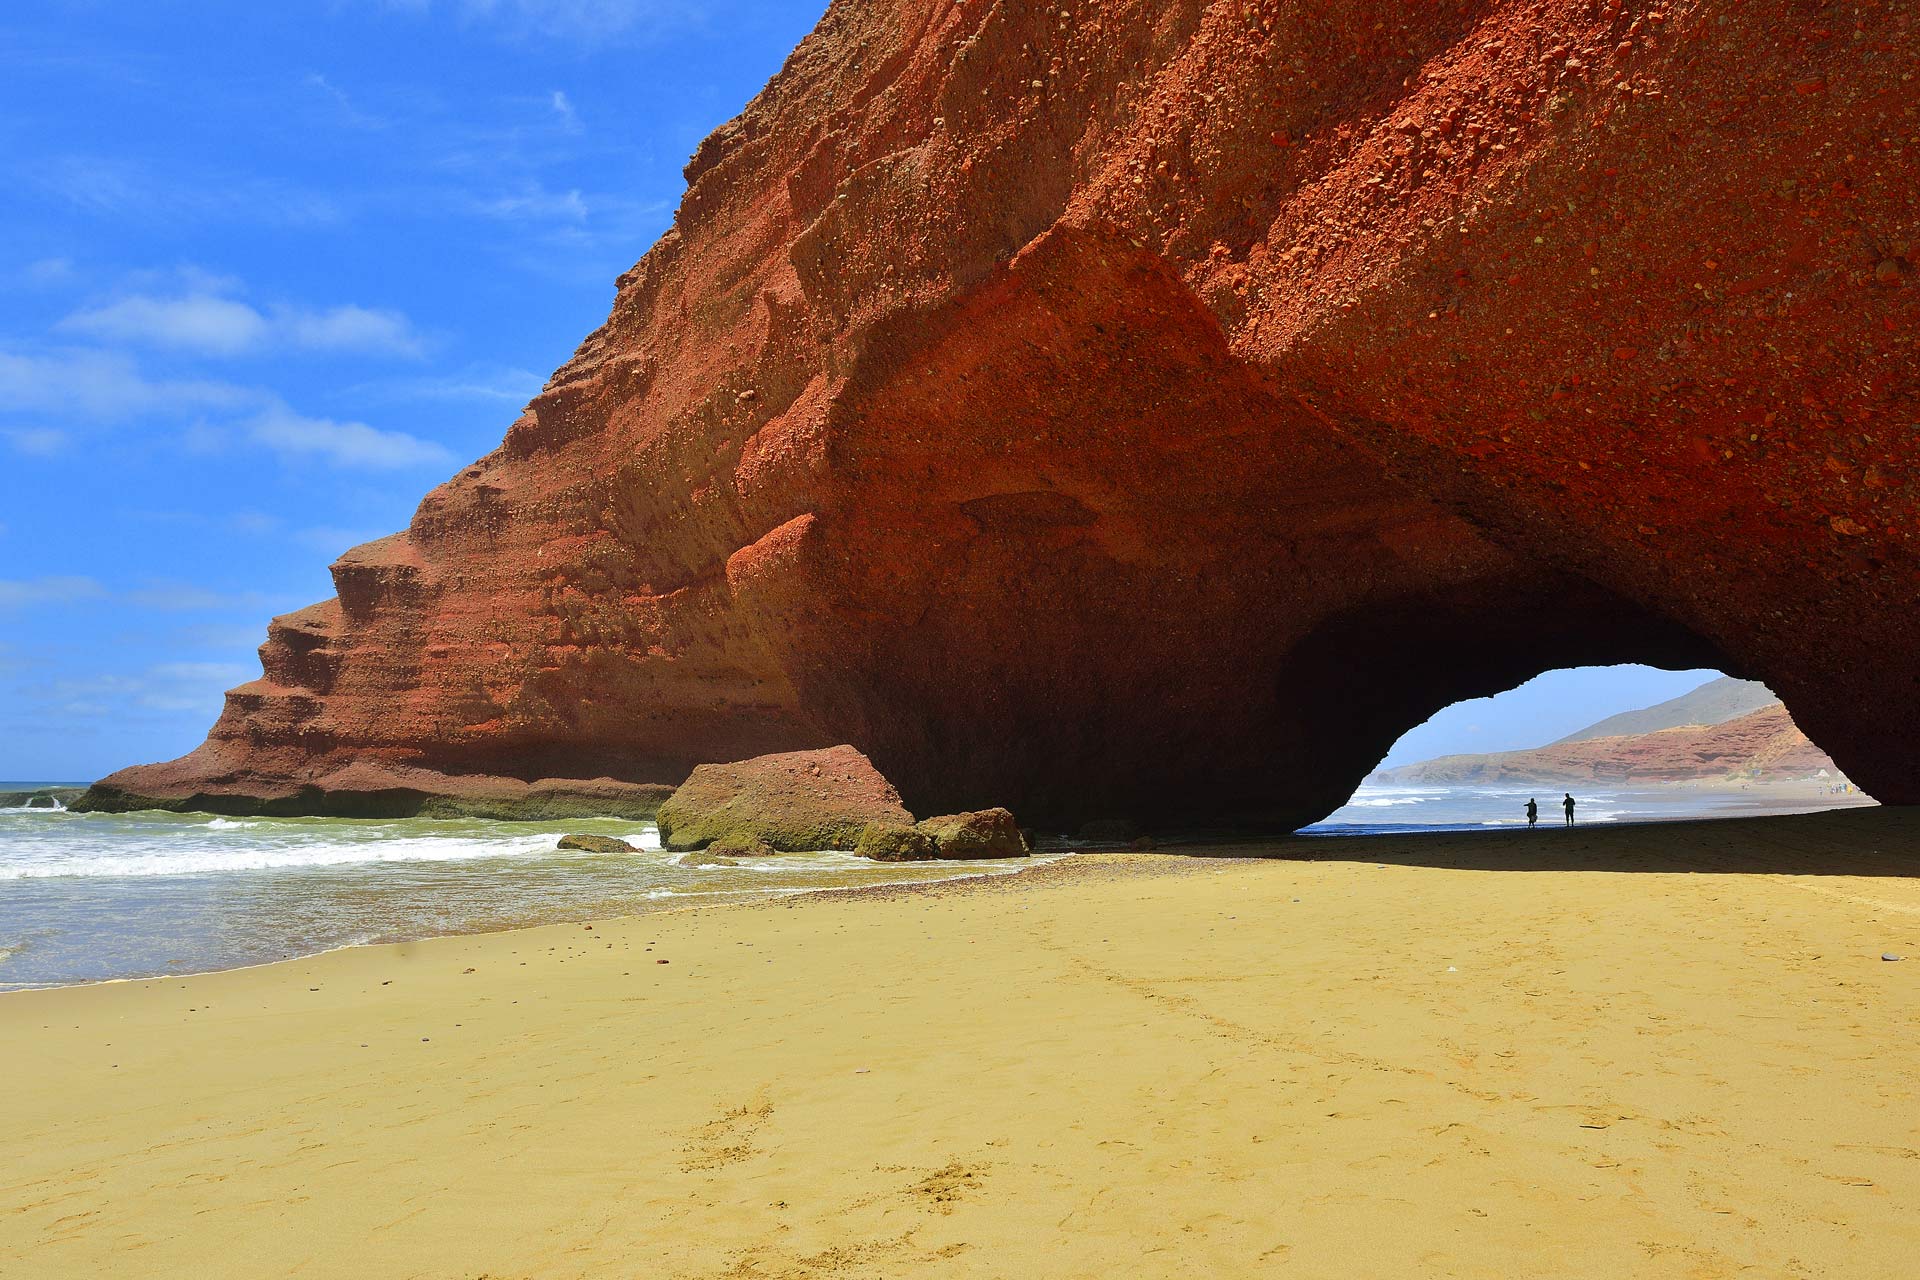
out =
column 1156, row 408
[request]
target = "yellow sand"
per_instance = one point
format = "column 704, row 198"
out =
column 1122, row 1067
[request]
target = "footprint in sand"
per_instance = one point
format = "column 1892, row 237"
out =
column 727, row 1140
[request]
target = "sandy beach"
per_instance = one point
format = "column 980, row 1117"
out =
column 1641, row 1051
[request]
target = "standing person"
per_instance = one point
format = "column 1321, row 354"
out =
column 1567, row 804
column 1533, row 812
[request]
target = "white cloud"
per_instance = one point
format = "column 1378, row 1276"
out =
column 533, row 202
column 48, row 272
column 187, row 597
column 18, row 592
column 562, row 19
column 348, row 328
column 345, row 105
column 166, row 686
column 37, row 442
column 197, row 322
column 501, row 384
column 117, row 188
column 344, row 444
column 563, row 107
column 103, row 385
column 210, row 324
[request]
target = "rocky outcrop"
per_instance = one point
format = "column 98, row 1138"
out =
column 365, row 790
column 1762, row 745
column 984, row 833
column 596, row 844
column 729, row 849
column 892, row 842
column 1158, row 407
column 41, row 798
column 794, row 801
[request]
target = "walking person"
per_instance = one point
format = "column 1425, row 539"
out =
column 1567, row 804
column 1533, row 812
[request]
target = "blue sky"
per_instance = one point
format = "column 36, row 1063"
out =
column 268, row 272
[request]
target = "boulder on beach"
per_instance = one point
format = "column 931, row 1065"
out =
column 795, row 801
column 895, row 842
column 596, row 844
column 983, row 833
column 739, row 845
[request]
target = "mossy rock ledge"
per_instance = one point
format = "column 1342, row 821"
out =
column 795, row 802
column 983, row 833
column 889, row 842
column 596, row 844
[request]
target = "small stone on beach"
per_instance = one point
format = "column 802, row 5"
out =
column 1888, row 955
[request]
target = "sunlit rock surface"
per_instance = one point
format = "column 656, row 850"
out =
column 1158, row 407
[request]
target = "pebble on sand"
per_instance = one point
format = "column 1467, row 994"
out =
column 1888, row 955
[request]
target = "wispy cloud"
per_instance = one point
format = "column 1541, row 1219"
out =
column 554, row 19
column 165, row 686
column 103, row 386
column 126, row 189
column 533, row 202
column 47, row 273
column 21, row 592
column 36, row 442
column 344, row 106
column 210, row 324
column 163, row 595
column 497, row 385
column 198, row 322
column 344, row 444
column 187, row 597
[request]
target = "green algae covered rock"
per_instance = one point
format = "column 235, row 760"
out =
column 795, row 802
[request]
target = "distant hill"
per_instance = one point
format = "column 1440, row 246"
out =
column 1715, row 702
column 1761, row 745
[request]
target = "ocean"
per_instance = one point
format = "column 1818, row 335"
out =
column 87, row 897
column 1385, row 810
column 92, row 896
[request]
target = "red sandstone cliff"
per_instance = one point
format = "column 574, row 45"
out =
column 1762, row 745
column 1158, row 407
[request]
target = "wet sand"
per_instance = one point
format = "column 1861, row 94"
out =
column 1662, row 1050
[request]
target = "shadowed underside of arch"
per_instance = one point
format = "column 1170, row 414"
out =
column 1163, row 407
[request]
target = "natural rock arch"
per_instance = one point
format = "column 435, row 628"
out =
column 1152, row 401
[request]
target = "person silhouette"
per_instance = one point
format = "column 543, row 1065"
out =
column 1533, row 812
column 1567, row 804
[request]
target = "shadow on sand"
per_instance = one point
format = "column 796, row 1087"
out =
column 1874, row 841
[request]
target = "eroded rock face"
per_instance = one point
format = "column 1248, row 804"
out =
column 1158, row 407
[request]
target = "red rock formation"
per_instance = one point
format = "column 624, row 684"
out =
column 1158, row 407
column 1765, row 745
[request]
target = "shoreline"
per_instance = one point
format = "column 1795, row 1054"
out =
column 1194, row 844
column 1660, row 1051
column 640, row 908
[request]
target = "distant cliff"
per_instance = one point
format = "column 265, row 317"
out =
column 1762, row 745
column 1715, row 702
